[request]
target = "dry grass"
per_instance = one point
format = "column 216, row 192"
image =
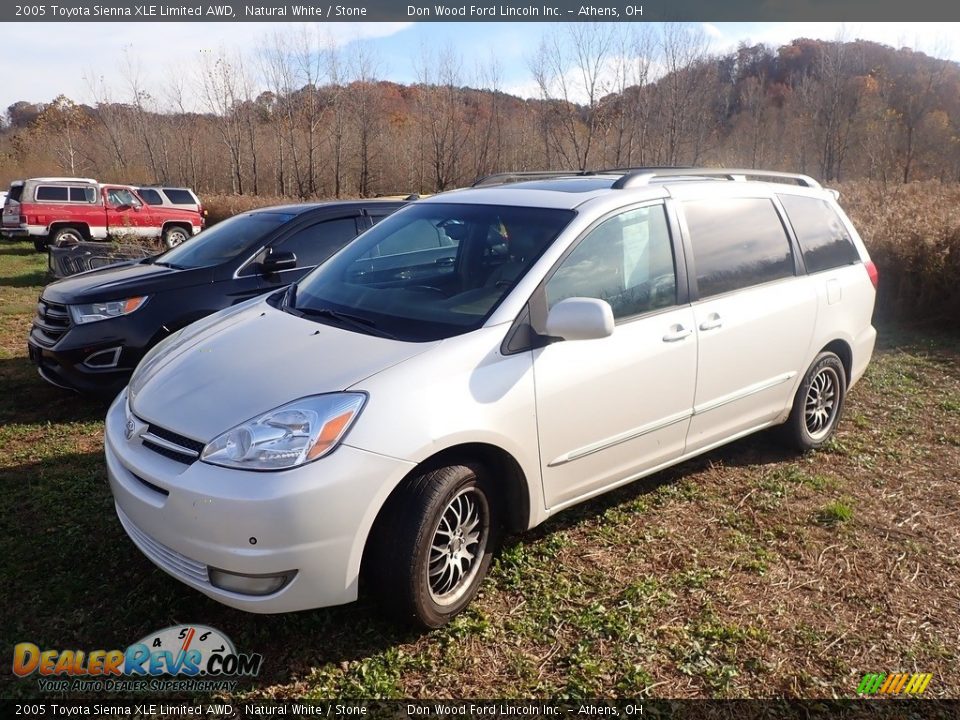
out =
column 913, row 234
column 220, row 207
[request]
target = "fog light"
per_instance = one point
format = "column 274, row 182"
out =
column 249, row 584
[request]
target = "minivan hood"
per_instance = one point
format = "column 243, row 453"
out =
column 115, row 282
column 252, row 361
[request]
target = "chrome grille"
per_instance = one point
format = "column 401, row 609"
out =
column 169, row 560
column 172, row 445
column 51, row 322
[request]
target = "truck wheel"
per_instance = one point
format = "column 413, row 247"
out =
column 40, row 244
column 64, row 237
column 435, row 545
column 174, row 235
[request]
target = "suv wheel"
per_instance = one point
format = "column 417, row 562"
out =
column 174, row 235
column 64, row 237
column 818, row 403
column 435, row 546
column 40, row 244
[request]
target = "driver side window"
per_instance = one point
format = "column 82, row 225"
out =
column 627, row 261
column 118, row 197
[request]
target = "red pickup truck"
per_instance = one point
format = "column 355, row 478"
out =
column 64, row 210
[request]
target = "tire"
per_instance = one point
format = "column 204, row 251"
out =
column 40, row 244
column 434, row 546
column 174, row 235
column 818, row 404
column 66, row 236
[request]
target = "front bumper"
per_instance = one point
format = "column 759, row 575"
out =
column 313, row 519
column 66, row 368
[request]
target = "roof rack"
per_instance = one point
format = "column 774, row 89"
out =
column 512, row 177
column 639, row 168
column 642, row 177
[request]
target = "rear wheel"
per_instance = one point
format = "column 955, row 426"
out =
column 174, row 235
column 818, row 404
column 435, row 545
column 40, row 244
column 64, row 237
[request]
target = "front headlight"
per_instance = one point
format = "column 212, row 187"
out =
column 291, row 435
column 92, row 312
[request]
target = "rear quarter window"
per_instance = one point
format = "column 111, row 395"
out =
column 737, row 243
column 824, row 240
column 15, row 192
column 179, row 197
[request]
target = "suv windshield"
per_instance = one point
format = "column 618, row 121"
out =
column 430, row 271
column 225, row 240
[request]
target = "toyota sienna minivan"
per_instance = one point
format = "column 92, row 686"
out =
column 476, row 363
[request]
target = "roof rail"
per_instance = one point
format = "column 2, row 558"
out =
column 640, row 168
column 512, row 177
column 645, row 177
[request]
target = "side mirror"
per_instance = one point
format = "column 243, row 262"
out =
column 277, row 261
column 580, row 318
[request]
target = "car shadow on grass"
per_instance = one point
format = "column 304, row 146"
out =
column 27, row 398
column 763, row 448
column 19, row 249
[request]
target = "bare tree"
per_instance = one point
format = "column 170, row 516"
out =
column 222, row 88
column 571, row 70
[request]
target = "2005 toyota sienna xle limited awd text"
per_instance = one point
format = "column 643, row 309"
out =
column 475, row 363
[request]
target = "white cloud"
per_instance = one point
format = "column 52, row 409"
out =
column 63, row 55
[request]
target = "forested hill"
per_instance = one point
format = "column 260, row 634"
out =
column 320, row 122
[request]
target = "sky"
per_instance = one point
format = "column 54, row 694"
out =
column 71, row 59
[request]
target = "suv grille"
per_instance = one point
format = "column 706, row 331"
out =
column 51, row 322
column 172, row 445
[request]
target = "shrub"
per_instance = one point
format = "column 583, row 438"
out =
column 913, row 235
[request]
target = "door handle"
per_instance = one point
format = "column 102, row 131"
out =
column 713, row 321
column 677, row 332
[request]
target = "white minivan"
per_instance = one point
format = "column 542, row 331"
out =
column 477, row 362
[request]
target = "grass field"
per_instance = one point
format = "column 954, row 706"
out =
column 749, row 572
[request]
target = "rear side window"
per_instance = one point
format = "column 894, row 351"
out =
column 150, row 197
column 15, row 192
column 824, row 241
column 737, row 242
column 82, row 194
column 53, row 192
column 179, row 197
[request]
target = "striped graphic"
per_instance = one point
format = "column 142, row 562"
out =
column 894, row 684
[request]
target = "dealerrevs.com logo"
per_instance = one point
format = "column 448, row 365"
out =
column 176, row 659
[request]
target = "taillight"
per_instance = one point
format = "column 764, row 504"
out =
column 872, row 272
column 23, row 219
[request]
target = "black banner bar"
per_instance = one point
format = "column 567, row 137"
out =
column 479, row 11
column 160, row 709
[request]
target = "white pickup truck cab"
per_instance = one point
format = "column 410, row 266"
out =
column 477, row 362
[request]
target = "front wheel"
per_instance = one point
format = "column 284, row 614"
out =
column 174, row 235
column 435, row 547
column 818, row 404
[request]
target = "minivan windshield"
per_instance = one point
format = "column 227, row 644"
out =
column 429, row 271
column 225, row 240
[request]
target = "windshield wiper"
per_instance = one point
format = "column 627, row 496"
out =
column 169, row 265
column 360, row 323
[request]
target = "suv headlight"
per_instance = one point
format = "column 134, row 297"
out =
column 92, row 312
column 291, row 435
